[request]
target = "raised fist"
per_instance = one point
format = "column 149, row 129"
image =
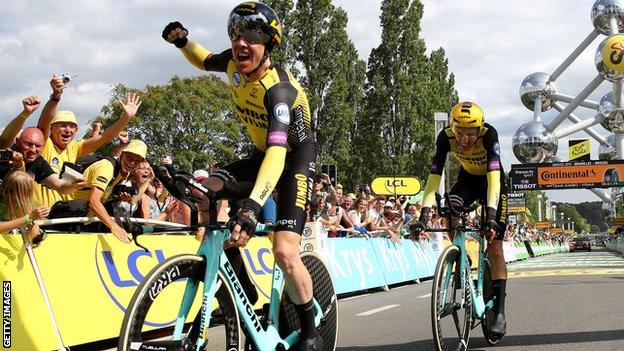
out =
column 31, row 103
column 175, row 33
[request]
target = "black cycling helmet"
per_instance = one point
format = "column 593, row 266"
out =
column 257, row 23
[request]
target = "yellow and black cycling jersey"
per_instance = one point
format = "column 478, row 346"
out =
column 274, row 108
column 481, row 159
column 275, row 111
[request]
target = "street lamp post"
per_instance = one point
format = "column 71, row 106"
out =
column 539, row 207
column 440, row 122
column 553, row 214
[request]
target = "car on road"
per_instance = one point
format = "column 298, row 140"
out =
column 580, row 243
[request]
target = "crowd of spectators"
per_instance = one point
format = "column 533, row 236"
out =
column 38, row 179
column 47, row 172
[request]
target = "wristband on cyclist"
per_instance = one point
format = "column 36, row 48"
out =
column 27, row 220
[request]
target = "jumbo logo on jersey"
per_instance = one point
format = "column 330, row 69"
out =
column 249, row 116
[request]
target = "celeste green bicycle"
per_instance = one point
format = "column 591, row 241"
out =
column 234, row 325
column 461, row 298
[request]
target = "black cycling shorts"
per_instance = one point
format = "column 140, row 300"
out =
column 294, row 188
column 472, row 187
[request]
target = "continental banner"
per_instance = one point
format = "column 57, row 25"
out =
column 567, row 175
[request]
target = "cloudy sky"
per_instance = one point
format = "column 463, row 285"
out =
column 491, row 47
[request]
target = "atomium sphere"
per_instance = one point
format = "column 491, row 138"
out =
column 537, row 84
column 608, row 150
column 533, row 143
column 607, row 73
column 613, row 116
column 601, row 14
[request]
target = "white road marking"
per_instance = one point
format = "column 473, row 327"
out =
column 377, row 310
column 424, row 296
column 354, row 297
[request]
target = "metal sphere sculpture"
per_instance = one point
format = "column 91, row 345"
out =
column 608, row 58
column 613, row 115
column 603, row 10
column 533, row 143
column 535, row 85
column 608, row 151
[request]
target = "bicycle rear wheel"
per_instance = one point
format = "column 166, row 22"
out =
column 162, row 289
column 451, row 306
column 325, row 295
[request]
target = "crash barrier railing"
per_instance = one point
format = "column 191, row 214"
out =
column 91, row 277
column 616, row 244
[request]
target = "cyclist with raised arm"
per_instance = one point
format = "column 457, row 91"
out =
column 274, row 108
column 474, row 144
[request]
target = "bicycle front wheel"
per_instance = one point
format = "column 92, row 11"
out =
column 155, row 304
column 325, row 295
column 451, row 306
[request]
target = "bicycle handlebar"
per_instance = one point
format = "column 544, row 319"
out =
column 457, row 211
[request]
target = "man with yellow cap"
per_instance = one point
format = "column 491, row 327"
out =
column 103, row 175
column 60, row 127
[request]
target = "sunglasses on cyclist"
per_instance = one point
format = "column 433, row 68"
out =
column 250, row 36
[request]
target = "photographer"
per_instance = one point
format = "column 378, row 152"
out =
column 104, row 178
column 16, row 205
column 10, row 161
column 29, row 145
column 364, row 191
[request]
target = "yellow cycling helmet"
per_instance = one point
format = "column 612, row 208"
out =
column 466, row 115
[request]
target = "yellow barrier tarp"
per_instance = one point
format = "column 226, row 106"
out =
column 90, row 279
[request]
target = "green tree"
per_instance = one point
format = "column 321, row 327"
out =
column 191, row 119
column 284, row 55
column 531, row 198
column 332, row 76
column 405, row 87
column 592, row 212
column 569, row 211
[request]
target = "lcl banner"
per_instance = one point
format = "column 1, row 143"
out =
column 567, row 175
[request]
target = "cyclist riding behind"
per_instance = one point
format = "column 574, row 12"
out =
column 274, row 108
column 474, row 144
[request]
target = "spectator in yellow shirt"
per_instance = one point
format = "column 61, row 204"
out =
column 60, row 128
column 103, row 175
